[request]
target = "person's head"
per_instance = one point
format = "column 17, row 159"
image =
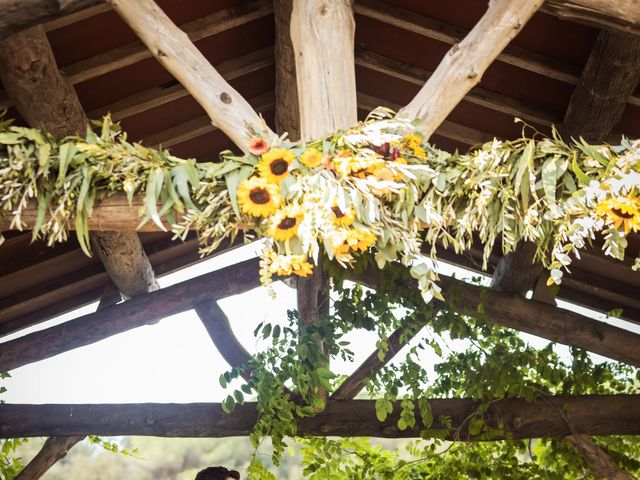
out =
column 217, row 473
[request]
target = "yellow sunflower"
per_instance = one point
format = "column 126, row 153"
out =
column 622, row 212
column 274, row 165
column 258, row 197
column 312, row 157
column 343, row 219
column 346, row 241
column 285, row 223
column 285, row 265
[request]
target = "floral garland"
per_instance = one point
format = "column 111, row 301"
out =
column 377, row 185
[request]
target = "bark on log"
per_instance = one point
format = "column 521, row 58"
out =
column 544, row 418
column 463, row 66
column 173, row 49
column 136, row 312
column 54, row 449
column 536, row 318
column 598, row 461
column 609, row 77
column 516, row 272
column 322, row 34
column 219, row 329
column 287, row 107
column 46, row 100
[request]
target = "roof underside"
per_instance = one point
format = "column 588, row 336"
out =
column 399, row 42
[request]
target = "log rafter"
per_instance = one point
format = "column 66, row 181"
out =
column 543, row 418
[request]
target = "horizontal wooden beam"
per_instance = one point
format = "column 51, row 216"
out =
column 196, row 30
column 546, row 417
column 155, row 97
column 615, row 15
column 478, row 95
column 138, row 311
column 530, row 316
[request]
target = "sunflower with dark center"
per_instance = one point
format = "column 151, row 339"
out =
column 258, row 197
column 285, row 223
column 343, row 219
column 274, row 165
column 622, row 212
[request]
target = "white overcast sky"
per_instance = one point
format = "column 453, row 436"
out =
column 173, row 360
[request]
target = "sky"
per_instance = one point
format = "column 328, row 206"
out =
column 174, row 360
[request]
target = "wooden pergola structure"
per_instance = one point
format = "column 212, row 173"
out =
column 177, row 75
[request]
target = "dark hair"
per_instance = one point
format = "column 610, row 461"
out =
column 217, row 473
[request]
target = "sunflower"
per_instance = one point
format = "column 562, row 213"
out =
column 258, row 146
column 285, row 265
column 312, row 157
column 258, row 197
column 343, row 219
column 622, row 211
column 274, row 166
column 346, row 241
column 285, row 223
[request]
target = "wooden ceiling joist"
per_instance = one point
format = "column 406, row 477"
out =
column 544, row 418
column 622, row 16
column 134, row 313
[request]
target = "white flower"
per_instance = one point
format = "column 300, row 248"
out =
column 556, row 275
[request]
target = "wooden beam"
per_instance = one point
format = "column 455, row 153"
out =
column 609, row 77
column 54, row 449
column 46, row 100
column 157, row 96
column 173, row 49
column 544, row 418
column 219, row 329
column 139, row 311
column 622, row 16
column 322, row 35
column 530, row 316
column 196, row 30
column 452, row 35
column 601, row 464
column 477, row 95
column 287, row 105
column 463, row 66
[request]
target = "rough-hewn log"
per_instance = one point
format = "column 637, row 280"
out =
column 614, row 15
column 530, row 316
column 322, row 34
column 136, row 312
column 463, row 66
column 609, row 77
column 601, row 464
column 53, row 450
column 516, row 271
column 46, row 100
column 544, row 418
column 287, row 107
column 172, row 47
column 219, row 329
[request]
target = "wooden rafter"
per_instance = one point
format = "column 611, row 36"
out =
column 543, row 418
column 536, row 318
column 46, row 100
column 463, row 66
column 137, row 312
column 173, row 49
column 54, row 449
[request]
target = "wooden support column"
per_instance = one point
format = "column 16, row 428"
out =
column 463, row 66
column 322, row 36
column 46, row 100
column 177, row 53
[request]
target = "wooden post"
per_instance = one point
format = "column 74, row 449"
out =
column 175, row 51
column 463, row 66
column 46, row 100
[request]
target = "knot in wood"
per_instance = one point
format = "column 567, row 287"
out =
column 225, row 98
column 324, row 428
column 323, row 10
column 150, row 420
column 36, row 66
column 472, row 74
column 517, row 422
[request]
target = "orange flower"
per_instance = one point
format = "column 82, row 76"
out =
column 258, row 146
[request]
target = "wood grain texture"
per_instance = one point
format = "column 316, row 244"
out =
column 46, row 100
column 54, row 449
column 530, row 316
column 138, row 311
column 622, row 16
column 175, row 51
column 463, row 66
column 544, row 418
